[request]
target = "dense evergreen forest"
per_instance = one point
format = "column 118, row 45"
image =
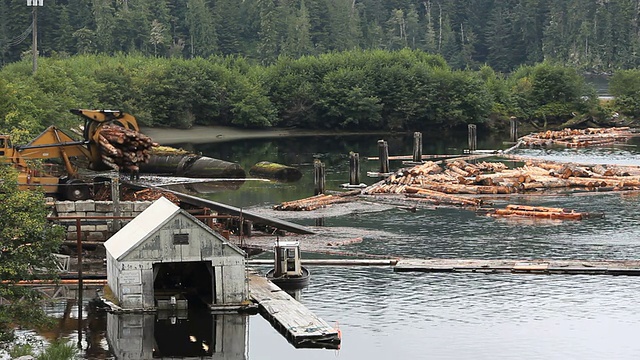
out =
column 394, row 65
column 599, row 36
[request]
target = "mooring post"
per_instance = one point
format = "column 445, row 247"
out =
column 80, row 279
column 318, row 177
column 514, row 128
column 383, row 153
column 417, row 147
column 354, row 168
column 115, row 198
column 473, row 138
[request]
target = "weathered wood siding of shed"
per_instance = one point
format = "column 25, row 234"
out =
column 164, row 233
column 201, row 244
column 134, row 271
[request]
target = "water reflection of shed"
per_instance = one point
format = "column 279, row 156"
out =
column 197, row 336
column 165, row 257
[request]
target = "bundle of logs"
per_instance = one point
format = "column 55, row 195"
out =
column 578, row 137
column 124, row 149
column 442, row 184
column 541, row 212
column 317, row 201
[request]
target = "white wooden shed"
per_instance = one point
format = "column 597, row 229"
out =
column 167, row 257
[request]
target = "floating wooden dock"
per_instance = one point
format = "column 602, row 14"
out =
column 584, row 267
column 335, row 262
column 297, row 323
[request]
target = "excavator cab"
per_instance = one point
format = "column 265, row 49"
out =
column 5, row 143
column 7, row 152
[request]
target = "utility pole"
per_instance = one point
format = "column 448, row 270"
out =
column 34, row 45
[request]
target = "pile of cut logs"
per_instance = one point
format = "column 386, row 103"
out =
column 578, row 137
column 122, row 148
column 437, row 184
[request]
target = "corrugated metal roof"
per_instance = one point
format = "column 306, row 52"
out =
column 140, row 227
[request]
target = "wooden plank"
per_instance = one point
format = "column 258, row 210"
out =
column 301, row 327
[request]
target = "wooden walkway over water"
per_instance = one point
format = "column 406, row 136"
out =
column 543, row 266
column 584, row 267
column 297, row 323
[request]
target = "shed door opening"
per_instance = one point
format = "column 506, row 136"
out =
column 191, row 280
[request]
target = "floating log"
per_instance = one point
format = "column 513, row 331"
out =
column 270, row 170
column 440, row 197
column 316, row 201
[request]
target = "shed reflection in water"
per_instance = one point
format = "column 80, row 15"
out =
column 178, row 335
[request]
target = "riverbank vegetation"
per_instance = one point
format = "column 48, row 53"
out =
column 27, row 244
column 405, row 90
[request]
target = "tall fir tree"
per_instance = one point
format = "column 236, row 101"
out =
column 228, row 26
column 203, row 39
column 269, row 38
column 297, row 38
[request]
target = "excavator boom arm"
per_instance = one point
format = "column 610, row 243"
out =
column 55, row 143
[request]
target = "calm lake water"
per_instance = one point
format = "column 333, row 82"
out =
column 387, row 315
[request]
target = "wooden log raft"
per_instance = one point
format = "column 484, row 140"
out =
column 578, row 137
column 122, row 148
column 541, row 212
column 439, row 182
column 479, row 179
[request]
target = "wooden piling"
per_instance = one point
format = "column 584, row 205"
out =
column 115, row 197
column 79, row 271
column 383, row 154
column 354, row 168
column 318, row 177
column 514, row 128
column 473, row 138
column 417, row 147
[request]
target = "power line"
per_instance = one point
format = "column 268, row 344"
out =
column 20, row 38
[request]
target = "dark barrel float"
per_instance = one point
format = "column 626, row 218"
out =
column 193, row 166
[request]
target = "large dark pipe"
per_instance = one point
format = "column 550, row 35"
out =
column 194, row 166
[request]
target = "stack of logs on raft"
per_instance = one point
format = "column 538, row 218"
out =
column 124, row 149
column 442, row 184
column 456, row 182
column 578, row 137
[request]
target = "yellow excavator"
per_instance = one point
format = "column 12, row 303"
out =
column 54, row 143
